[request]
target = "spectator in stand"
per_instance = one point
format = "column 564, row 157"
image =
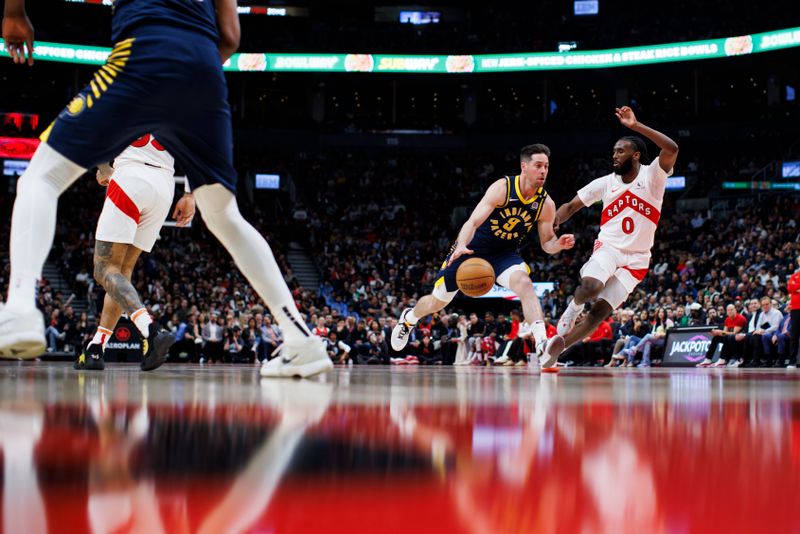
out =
column 270, row 336
column 655, row 339
column 641, row 328
column 462, row 352
column 734, row 323
column 213, row 339
column 251, row 338
column 767, row 322
column 794, row 290
column 233, row 344
column 776, row 346
column 338, row 350
column 321, row 329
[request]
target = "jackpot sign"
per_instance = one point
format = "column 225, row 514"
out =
column 687, row 347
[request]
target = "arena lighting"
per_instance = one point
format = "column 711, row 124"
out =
column 588, row 59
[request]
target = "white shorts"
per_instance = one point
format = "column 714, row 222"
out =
column 137, row 204
column 620, row 271
column 440, row 291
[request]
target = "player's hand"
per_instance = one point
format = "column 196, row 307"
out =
column 18, row 36
column 626, row 116
column 458, row 252
column 740, row 337
column 566, row 241
column 103, row 178
column 184, row 210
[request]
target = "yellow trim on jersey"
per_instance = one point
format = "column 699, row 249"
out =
column 46, row 134
column 527, row 267
column 541, row 205
column 95, row 90
column 508, row 193
column 89, row 101
column 439, row 282
column 109, row 80
column 101, row 83
column 519, row 192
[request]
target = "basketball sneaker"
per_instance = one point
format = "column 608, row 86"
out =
column 21, row 334
column 156, row 347
column 553, row 347
column 91, row 359
column 704, row 363
column 401, row 332
column 304, row 359
column 720, row 363
column 567, row 320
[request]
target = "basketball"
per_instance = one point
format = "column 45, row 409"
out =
column 475, row 277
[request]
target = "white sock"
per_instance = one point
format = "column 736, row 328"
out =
column 142, row 320
column 410, row 318
column 252, row 256
column 539, row 332
column 33, row 222
column 101, row 337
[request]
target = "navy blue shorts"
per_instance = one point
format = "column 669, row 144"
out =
column 161, row 80
column 499, row 260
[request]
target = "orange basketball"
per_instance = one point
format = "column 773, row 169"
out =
column 475, row 277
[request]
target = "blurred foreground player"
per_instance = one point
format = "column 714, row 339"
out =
column 511, row 207
column 140, row 191
column 632, row 196
column 164, row 77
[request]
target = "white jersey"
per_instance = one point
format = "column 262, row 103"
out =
column 630, row 211
column 146, row 150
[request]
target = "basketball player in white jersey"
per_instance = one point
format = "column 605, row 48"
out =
column 632, row 196
column 140, row 190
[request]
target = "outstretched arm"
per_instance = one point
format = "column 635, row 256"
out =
column 550, row 242
column 17, row 31
column 494, row 196
column 669, row 148
column 566, row 211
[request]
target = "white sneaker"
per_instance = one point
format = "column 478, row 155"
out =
column 791, row 366
column 704, row 363
column 553, row 348
column 21, row 334
column 719, row 363
column 567, row 320
column 734, row 363
column 401, row 332
column 303, row 359
column 501, row 360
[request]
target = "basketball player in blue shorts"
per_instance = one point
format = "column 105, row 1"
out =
column 509, row 210
column 163, row 77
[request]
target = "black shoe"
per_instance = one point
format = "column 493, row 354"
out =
column 779, row 364
column 91, row 359
column 156, row 347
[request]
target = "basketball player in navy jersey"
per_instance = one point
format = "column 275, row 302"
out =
column 164, row 77
column 509, row 210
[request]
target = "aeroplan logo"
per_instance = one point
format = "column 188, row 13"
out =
column 693, row 349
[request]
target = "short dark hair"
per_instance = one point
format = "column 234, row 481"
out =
column 537, row 148
column 640, row 146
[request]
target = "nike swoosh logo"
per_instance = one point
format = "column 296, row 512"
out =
column 615, row 190
column 289, row 360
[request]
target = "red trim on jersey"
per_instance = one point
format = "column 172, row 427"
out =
column 639, row 274
column 116, row 195
column 629, row 200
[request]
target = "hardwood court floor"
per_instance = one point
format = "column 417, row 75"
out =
column 409, row 450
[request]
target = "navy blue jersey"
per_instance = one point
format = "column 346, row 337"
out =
column 510, row 222
column 195, row 15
